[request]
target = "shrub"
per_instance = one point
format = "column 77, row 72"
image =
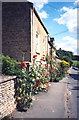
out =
column 67, row 59
column 10, row 66
column 23, row 90
column 64, row 66
column 76, row 63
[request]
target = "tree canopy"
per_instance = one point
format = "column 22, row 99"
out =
column 60, row 53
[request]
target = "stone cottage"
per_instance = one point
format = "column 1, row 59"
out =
column 23, row 32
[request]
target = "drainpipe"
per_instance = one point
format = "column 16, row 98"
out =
column 31, row 12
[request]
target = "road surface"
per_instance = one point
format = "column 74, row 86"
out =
column 73, row 93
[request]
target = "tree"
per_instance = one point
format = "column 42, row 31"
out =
column 60, row 53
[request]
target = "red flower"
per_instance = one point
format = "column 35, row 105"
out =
column 46, row 73
column 40, row 63
column 34, row 56
column 42, row 58
column 52, row 71
column 23, row 64
column 37, row 84
column 41, row 79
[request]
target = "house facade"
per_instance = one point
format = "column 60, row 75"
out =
column 23, row 32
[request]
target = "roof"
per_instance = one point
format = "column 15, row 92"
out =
column 36, row 13
column 40, row 20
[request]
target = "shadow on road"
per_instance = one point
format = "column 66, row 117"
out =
column 77, row 96
column 74, row 76
column 75, row 88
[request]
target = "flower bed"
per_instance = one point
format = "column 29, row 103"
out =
column 37, row 79
column 29, row 84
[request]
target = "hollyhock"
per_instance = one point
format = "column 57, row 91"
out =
column 46, row 73
column 48, row 58
column 42, row 58
column 52, row 71
column 46, row 65
column 37, row 84
column 23, row 64
column 40, row 63
column 34, row 56
column 41, row 79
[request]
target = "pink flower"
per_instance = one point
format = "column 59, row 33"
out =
column 46, row 65
column 48, row 58
column 46, row 73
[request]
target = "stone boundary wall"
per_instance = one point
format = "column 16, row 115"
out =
column 7, row 92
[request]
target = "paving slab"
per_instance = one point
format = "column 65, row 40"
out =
column 47, row 104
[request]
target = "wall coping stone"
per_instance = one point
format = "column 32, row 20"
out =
column 6, row 78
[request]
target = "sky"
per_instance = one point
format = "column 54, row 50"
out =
column 60, row 19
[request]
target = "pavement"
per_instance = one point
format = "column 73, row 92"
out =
column 59, row 102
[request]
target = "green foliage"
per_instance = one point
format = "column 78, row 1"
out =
column 28, row 84
column 57, row 70
column 10, row 66
column 62, row 53
column 76, row 63
column 76, row 57
column 37, row 79
column 61, row 70
column 67, row 59
column 24, row 87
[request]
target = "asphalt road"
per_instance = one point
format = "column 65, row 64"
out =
column 59, row 102
column 73, row 88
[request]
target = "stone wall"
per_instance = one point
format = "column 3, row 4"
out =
column 7, row 92
column 16, row 30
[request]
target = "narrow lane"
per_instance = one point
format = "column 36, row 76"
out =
column 47, row 105
column 73, row 88
column 59, row 102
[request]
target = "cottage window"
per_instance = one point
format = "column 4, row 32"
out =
column 37, row 42
column 44, row 44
